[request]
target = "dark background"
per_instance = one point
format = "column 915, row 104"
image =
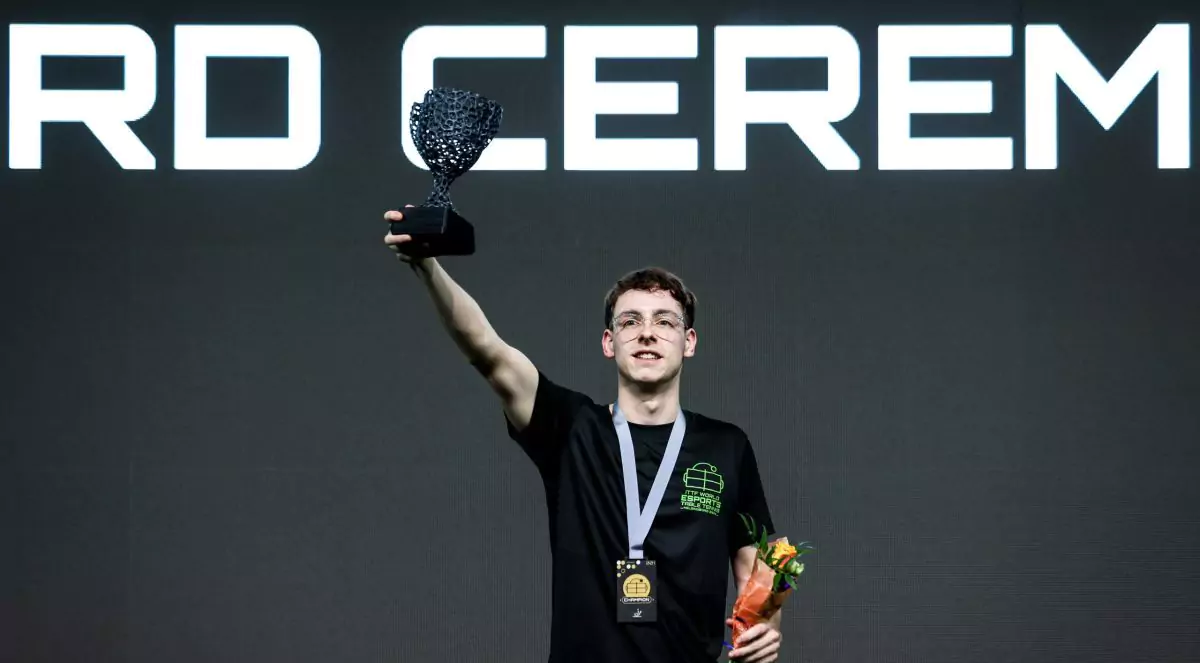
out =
column 231, row 428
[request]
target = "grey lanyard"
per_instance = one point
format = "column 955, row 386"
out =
column 637, row 519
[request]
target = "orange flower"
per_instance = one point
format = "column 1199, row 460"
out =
column 783, row 551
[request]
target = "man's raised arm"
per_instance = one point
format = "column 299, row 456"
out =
column 511, row 374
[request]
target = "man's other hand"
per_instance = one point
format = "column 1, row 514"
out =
column 759, row 644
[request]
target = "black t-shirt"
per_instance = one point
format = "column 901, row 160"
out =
column 574, row 444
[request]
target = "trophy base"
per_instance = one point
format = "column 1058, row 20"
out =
column 435, row 231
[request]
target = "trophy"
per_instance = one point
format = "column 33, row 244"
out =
column 450, row 129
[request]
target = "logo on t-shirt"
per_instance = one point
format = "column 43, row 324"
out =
column 702, row 486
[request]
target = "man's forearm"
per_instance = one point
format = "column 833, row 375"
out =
column 460, row 314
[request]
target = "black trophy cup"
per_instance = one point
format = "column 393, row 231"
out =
column 450, row 128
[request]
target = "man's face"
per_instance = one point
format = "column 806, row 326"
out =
column 648, row 338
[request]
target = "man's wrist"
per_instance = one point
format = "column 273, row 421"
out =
column 420, row 266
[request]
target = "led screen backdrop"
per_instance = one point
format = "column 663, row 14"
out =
column 946, row 254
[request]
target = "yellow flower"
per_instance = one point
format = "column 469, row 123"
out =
column 783, row 550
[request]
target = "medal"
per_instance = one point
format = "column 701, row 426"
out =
column 637, row 577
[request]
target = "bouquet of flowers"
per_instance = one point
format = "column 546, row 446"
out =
column 776, row 570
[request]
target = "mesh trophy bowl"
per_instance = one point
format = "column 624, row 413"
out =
column 450, row 129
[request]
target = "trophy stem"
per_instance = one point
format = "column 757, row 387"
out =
column 440, row 196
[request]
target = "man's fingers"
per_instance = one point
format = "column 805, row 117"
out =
column 768, row 650
column 769, row 653
column 392, row 240
column 393, row 215
column 765, row 656
column 749, row 651
column 753, row 633
column 750, row 642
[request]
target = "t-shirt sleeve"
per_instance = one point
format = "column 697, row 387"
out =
column 554, row 411
column 751, row 500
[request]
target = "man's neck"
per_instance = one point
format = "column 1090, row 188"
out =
column 649, row 406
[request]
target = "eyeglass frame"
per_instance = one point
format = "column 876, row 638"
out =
column 657, row 316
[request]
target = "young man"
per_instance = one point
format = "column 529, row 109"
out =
column 594, row 457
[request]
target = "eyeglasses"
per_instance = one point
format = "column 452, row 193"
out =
column 665, row 325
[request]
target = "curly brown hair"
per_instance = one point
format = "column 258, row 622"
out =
column 652, row 279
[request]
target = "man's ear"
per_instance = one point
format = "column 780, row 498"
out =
column 606, row 344
column 689, row 343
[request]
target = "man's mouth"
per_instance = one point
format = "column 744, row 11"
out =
column 647, row 355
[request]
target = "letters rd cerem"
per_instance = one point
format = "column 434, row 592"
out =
column 1050, row 56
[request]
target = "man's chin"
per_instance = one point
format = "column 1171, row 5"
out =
column 648, row 376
